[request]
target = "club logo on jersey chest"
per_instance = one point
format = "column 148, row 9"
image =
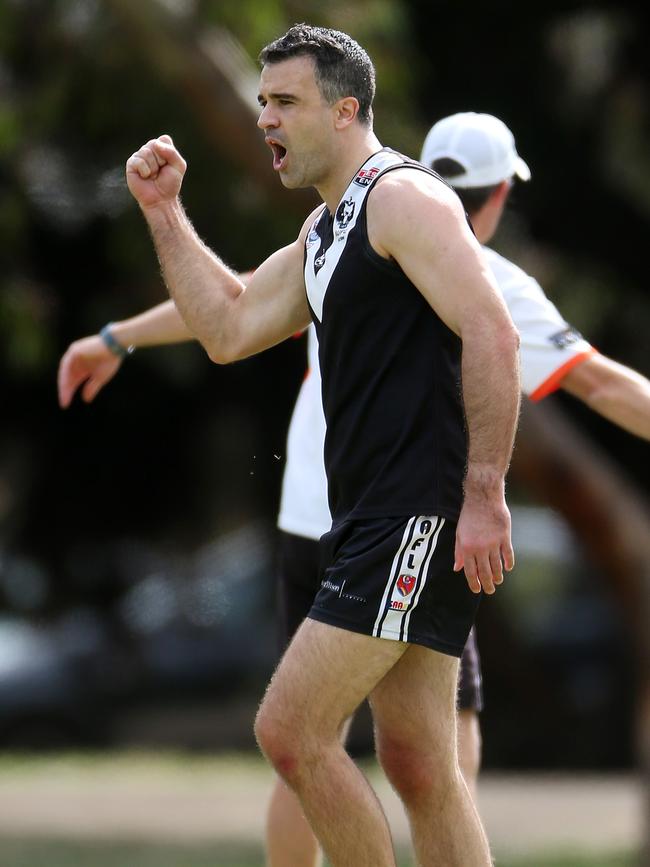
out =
column 344, row 213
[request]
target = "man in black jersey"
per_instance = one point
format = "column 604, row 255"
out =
column 399, row 309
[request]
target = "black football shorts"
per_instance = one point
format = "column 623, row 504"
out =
column 299, row 580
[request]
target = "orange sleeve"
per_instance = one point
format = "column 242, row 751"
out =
column 555, row 379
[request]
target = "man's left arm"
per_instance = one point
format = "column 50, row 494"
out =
column 613, row 390
column 421, row 224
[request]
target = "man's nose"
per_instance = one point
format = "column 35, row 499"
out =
column 267, row 118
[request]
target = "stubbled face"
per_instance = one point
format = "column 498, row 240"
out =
column 298, row 124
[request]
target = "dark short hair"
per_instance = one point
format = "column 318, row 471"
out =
column 342, row 66
column 473, row 198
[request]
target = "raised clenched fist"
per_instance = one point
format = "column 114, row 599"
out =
column 154, row 173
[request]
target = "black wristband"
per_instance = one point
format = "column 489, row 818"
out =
column 111, row 343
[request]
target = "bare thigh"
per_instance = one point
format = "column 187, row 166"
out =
column 324, row 676
column 414, row 710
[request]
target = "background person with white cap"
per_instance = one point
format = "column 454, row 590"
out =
column 476, row 154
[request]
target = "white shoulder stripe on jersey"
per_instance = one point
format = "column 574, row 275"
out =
column 317, row 279
column 407, row 577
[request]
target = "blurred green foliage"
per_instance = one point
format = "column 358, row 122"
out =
column 78, row 95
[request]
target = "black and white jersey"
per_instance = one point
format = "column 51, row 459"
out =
column 395, row 442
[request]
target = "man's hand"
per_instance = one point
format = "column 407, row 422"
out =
column 88, row 362
column 483, row 544
column 154, row 173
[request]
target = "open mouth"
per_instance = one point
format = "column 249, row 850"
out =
column 279, row 153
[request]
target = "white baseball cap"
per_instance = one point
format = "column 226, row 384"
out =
column 481, row 143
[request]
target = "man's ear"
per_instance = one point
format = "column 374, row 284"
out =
column 345, row 111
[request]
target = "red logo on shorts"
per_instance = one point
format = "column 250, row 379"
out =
column 406, row 584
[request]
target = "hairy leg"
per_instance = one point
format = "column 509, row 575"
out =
column 290, row 841
column 469, row 748
column 414, row 710
column 321, row 680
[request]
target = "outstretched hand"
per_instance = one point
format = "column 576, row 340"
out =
column 89, row 364
column 154, row 173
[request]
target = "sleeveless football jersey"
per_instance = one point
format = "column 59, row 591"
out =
column 395, row 443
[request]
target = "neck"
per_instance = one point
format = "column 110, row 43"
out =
column 481, row 223
column 486, row 220
column 351, row 159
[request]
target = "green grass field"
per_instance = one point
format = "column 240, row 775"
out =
column 61, row 853
column 130, row 809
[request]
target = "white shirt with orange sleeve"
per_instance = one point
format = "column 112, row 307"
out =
column 304, row 510
column 550, row 347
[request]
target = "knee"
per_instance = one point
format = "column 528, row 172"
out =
column 416, row 772
column 277, row 741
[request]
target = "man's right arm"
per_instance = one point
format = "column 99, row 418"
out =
column 230, row 320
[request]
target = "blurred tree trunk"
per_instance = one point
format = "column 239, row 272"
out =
column 212, row 71
column 564, row 469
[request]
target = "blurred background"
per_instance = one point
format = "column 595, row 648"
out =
column 137, row 536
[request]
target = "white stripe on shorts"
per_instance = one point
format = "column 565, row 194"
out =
column 391, row 575
column 425, row 572
column 407, row 577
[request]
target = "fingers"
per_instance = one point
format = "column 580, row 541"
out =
column 508, row 556
column 86, row 362
column 165, row 152
column 472, row 575
column 152, row 156
column 146, row 162
column 483, row 569
column 480, row 575
column 458, row 556
column 484, row 545
column 67, row 381
column 496, row 567
column 62, row 387
column 91, row 388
